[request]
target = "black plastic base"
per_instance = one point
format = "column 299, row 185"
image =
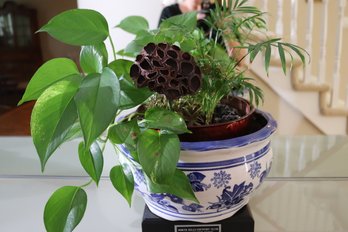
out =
column 242, row 221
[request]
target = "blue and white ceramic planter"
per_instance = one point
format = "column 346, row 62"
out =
column 223, row 175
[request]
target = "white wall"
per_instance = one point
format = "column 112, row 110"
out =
column 114, row 11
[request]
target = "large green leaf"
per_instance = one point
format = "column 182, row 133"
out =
column 74, row 132
column 48, row 74
column 65, row 209
column 92, row 160
column 78, row 27
column 188, row 21
column 123, row 182
column 179, row 185
column 93, row 58
column 134, row 24
column 121, row 67
column 135, row 46
column 159, row 118
column 131, row 96
column 53, row 116
column 97, row 102
column 158, row 154
column 124, row 132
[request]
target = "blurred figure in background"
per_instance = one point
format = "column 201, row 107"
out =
column 185, row 6
column 202, row 7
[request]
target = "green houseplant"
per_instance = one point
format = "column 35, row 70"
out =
column 85, row 102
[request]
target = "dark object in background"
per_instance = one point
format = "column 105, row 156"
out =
column 206, row 6
column 242, row 221
column 20, row 52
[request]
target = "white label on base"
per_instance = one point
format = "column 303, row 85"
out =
column 198, row 228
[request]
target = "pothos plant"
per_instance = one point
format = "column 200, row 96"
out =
column 178, row 71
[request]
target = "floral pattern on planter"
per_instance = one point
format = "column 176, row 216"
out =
column 223, row 174
column 254, row 170
column 221, row 179
column 232, row 198
column 167, row 201
column 161, row 200
column 196, row 179
column 139, row 177
column 265, row 173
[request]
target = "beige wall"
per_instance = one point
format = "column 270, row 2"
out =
column 46, row 9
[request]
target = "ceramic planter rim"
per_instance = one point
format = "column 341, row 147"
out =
column 259, row 135
column 240, row 141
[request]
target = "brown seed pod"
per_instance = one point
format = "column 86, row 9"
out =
column 167, row 70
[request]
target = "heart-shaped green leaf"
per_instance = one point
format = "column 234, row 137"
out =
column 65, row 209
column 179, row 179
column 54, row 114
column 159, row 118
column 93, row 58
column 158, row 154
column 123, row 182
column 134, row 24
column 136, row 45
column 187, row 21
column 92, row 160
column 48, row 74
column 97, row 102
column 131, row 96
column 78, row 27
column 74, row 132
column 121, row 67
column 124, row 132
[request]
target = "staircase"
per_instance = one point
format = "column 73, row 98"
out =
column 320, row 89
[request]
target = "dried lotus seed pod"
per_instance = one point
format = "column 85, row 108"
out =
column 167, row 70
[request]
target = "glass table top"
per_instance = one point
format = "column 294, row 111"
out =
column 305, row 192
column 309, row 156
column 294, row 156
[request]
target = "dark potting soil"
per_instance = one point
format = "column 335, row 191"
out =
column 225, row 113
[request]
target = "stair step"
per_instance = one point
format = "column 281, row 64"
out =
column 311, row 85
column 306, row 102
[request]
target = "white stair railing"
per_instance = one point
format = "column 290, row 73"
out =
column 264, row 7
column 279, row 24
column 323, row 41
column 294, row 14
column 314, row 76
column 339, row 36
column 309, row 34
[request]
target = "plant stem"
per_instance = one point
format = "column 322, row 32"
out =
column 239, row 61
column 104, row 141
column 113, row 47
column 170, row 105
column 88, row 183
